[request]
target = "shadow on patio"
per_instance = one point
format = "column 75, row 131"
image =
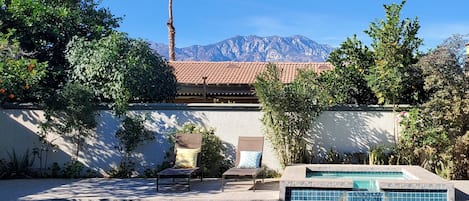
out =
column 134, row 189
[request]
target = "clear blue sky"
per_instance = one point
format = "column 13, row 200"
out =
column 202, row 22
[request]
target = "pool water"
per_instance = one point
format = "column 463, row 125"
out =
column 369, row 185
column 361, row 180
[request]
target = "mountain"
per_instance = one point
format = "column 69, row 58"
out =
column 253, row 48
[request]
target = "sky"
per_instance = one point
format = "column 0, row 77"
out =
column 203, row 22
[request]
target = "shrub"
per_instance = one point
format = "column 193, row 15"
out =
column 18, row 166
column 289, row 111
column 214, row 153
column 461, row 157
column 72, row 169
column 130, row 135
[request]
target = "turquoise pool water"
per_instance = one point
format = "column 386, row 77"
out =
column 361, row 180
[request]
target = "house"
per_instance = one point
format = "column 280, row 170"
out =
column 228, row 82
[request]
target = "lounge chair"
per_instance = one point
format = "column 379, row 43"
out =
column 187, row 162
column 248, row 160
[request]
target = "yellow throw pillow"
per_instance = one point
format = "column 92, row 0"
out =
column 186, row 158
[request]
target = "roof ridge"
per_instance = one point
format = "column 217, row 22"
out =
column 279, row 62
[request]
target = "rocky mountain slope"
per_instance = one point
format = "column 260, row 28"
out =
column 253, row 48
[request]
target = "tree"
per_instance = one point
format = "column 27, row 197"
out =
column 72, row 114
column 347, row 83
column 395, row 44
column 44, row 27
column 18, row 72
column 432, row 133
column 119, row 69
column 455, row 44
column 131, row 134
column 171, row 32
column 447, row 87
column 289, row 111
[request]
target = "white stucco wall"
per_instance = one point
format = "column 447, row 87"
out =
column 345, row 131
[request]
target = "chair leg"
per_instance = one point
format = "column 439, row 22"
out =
column 189, row 183
column 157, row 182
column 222, row 182
column 254, row 182
column 201, row 175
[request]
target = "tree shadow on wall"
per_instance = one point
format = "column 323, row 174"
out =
column 349, row 131
column 101, row 152
column 20, row 133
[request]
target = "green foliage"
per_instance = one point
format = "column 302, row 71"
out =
column 54, row 170
column 332, row 157
column 72, row 169
column 431, row 135
column 269, row 173
column 215, row 158
column 120, row 69
column 421, row 142
column 72, row 114
column 45, row 28
column 19, row 74
column 3, row 168
column 289, row 111
column 347, row 83
column 395, row 44
column 124, row 170
column 132, row 134
column 446, row 85
column 460, row 157
column 377, row 155
column 17, row 166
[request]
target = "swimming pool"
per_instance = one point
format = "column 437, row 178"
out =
column 363, row 182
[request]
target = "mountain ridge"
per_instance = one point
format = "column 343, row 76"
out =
column 252, row 48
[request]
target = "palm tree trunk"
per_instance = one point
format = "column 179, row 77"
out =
column 171, row 32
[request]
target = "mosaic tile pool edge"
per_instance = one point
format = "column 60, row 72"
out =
column 294, row 177
column 311, row 194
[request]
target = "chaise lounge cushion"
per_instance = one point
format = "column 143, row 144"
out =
column 249, row 159
column 186, row 158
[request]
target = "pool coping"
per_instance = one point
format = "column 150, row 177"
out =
column 295, row 176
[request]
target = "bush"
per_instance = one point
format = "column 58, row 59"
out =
column 461, row 157
column 214, row 153
column 72, row 169
column 18, row 166
column 130, row 135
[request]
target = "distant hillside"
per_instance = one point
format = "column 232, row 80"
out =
column 253, row 48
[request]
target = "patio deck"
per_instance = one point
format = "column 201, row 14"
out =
column 145, row 189
column 133, row 189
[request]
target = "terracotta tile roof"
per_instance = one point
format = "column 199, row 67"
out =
column 191, row 72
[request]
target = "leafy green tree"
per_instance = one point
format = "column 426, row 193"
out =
column 456, row 45
column 432, row 132
column 131, row 134
column 72, row 114
column 347, row 83
column 395, row 44
column 289, row 111
column 44, row 27
column 447, row 88
column 120, row 69
column 19, row 74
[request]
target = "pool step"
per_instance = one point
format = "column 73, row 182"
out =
column 365, row 196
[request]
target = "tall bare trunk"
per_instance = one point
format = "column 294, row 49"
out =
column 171, row 32
column 466, row 66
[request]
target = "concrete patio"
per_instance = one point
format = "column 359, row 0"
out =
column 132, row 189
column 144, row 189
